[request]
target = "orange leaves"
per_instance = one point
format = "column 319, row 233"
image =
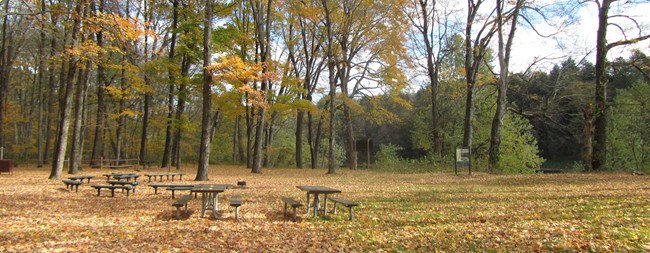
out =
column 235, row 71
column 432, row 212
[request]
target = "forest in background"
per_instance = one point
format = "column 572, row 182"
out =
column 309, row 83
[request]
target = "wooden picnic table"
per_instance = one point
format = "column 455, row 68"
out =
column 155, row 186
column 210, row 196
column 316, row 190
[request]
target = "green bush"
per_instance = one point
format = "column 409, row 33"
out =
column 628, row 135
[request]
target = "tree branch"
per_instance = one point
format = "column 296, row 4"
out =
column 627, row 42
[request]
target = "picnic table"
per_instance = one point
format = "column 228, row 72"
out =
column 210, row 196
column 155, row 186
column 161, row 175
column 317, row 190
column 81, row 178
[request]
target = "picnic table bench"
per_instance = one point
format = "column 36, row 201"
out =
column 128, row 188
column 128, row 183
column 81, row 178
column 293, row 203
column 155, row 186
column 235, row 201
column 161, row 175
column 183, row 201
column 69, row 184
column 120, row 176
column 347, row 203
column 179, row 188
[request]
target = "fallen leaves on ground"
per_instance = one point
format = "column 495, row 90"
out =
column 413, row 212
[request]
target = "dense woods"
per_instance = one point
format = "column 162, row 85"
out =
column 318, row 84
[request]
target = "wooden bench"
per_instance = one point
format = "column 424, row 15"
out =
column 179, row 188
column 119, row 176
column 134, row 184
column 183, row 201
column 128, row 188
column 127, row 177
column 81, row 178
column 155, row 186
column 69, row 184
column 346, row 203
column 235, row 201
column 293, row 203
column 161, row 175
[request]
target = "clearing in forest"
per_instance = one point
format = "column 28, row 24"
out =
column 424, row 212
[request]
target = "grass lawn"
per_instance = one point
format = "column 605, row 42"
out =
column 427, row 212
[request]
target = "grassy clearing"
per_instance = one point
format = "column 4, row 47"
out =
column 399, row 212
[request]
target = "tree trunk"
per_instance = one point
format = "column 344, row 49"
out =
column 599, row 155
column 77, row 137
column 206, row 121
column 587, row 136
column 5, row 68
column 503, row 53
column 166, row 161
column 120, row 118
column 147, row 94
column 250, row 121
column 350, row 140
column 98, row 141
column 52, row 87
column 180, row 110
column 299, row 130
column 262, row 18
column 331, row 67
column 314, row 138
column 64, row 125
column 41, row 84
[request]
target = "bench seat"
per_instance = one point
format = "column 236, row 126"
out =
column 235, row 201
column 128, row 188
column 293, row 203
column 155, row 186
column 181, row 202
column 81, row 178
column 161, row 175
column 347, row 203
column 69, row 184
column 134, row 183
column 179, row 188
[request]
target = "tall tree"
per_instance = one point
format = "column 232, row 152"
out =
column 432, row 28
column 476, row 46
column 305, row 54
column 98, row 139
column 601, row 105
column 64, row 123
column 166, row 159
column 41, row 83
column 261, row 11
column 504, row 44
column 206, row 121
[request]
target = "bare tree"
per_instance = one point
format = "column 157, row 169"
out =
column 601, row 105
column 476, row 45
column 504, row 44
